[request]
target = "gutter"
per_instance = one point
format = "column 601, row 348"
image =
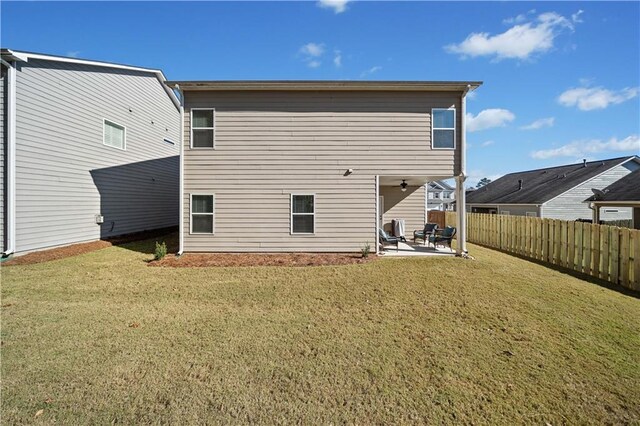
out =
column 11, row 159
column 181, row 202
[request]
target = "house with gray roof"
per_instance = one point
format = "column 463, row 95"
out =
column 624, row 193
column 554, row 192
column 88, row 150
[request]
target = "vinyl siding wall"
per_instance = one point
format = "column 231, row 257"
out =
column 3, row 159
column 272, row 144
column 571, row 205
column 409, row 205
column 66, row 175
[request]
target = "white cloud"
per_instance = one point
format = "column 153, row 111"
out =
column 338, row 6
column 582, row 148
column 519, row 42
column 576, row 16
column 312, row 49
column 489, row 118
column 590, row 98
column 311, row 54
column 337, row 59
column 539, row 124
column 370, row 71
column 73, row 53
column 487, row 143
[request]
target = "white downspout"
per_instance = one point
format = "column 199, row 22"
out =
column 377, row 213
column 11, row 160
column 181, row 203
column 461, row 201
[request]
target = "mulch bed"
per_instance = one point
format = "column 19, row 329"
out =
column 190, row 260
column 81, row 248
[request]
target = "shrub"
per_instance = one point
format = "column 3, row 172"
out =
column 365, row 250
column 161, row 250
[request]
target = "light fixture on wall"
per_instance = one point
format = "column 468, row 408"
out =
column 403, row 186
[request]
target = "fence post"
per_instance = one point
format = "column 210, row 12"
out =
column 636, row 260
column 624, row 257
column 605, row 238
column 595, row 238
column 615, row 255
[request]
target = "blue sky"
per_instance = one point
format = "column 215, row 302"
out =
column 561, row 80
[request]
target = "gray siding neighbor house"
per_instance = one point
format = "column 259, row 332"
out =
column 314, row 166
column 554, row 192
column 624, row 193
column 89, row 150
column 440, row 196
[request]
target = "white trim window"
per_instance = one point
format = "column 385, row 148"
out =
column 303, row 214
column 202, row 208
column 114, row 135
column 203, row 131
column 531, row 214
column 443, row 128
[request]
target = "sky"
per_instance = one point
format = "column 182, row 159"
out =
column 561, row 80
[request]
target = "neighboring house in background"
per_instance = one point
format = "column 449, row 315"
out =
column 84, row 142
column 314, row 166
column 440, row 196
column 624, row 193
column 554, row 192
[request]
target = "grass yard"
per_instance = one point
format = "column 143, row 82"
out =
column 102, row 338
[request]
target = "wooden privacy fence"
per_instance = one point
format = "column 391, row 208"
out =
column 606, row 252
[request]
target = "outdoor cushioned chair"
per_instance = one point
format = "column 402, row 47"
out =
column 386, row 239
column 444, row 237
column 424, row 235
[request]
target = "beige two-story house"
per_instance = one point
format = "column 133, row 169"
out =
column 314, row 166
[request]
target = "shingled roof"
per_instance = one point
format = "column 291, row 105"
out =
column 540, row 185
column 625, row 189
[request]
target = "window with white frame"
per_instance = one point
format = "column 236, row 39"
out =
column 202, row 207
column 303, row 213
column 443, row 128
column 202, row 128
column 114, row 135
column 531, row 214
column 505, row 212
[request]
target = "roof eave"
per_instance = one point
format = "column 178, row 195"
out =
column 14, row 55
column 302, row 85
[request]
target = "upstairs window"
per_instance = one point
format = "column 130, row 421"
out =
column 444, row 128
column 114, row 135
column 202, row 128
column 303, row 214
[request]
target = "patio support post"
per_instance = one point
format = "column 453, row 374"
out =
column 461, row 201
column 461, row 218
column 377, row 220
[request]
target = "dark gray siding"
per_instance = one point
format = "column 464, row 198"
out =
column 66, row 175
column 3, row 149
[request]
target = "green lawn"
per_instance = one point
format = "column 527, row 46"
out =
column 102, row 338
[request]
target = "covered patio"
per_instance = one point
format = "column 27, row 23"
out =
column 406, row 198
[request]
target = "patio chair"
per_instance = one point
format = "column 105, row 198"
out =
column 424, row 234
column 386, row 239
column 444, row 237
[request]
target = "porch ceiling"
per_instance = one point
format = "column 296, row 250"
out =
column 411, row 180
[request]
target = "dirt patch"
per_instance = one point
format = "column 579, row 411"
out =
column 81, row 248
column 260, row 259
